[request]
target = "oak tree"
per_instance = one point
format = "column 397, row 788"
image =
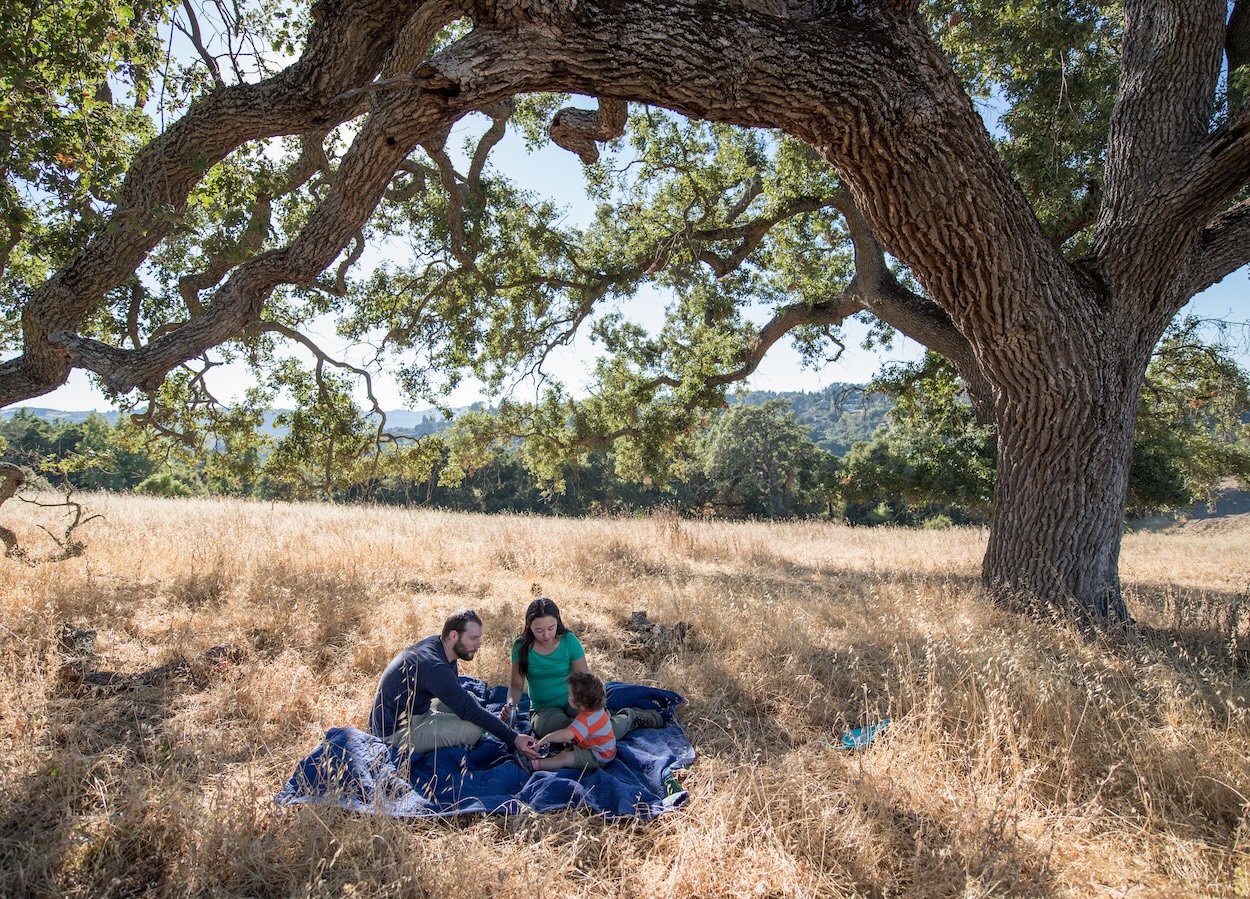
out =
column 1044, row 261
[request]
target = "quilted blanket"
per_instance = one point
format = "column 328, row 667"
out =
column 358, row 771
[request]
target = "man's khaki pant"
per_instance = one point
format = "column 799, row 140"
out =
column 436, row 729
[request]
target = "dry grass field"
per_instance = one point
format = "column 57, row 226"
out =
column 1022, row 761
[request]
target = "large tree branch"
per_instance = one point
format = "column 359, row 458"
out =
column 346, row 46
column 1222, row 166
column 1170, row 66
column 387, row 137
column 1224, row 248
column 880, row 103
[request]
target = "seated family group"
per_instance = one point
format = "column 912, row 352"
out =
column 420, row 704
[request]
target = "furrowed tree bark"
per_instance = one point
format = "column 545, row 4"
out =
column 1065, row 441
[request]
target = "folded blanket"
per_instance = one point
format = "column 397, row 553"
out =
column 358, row 771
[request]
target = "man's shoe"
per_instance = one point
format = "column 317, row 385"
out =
column 647, row 718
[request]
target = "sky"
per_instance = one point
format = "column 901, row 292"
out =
column 558, row 174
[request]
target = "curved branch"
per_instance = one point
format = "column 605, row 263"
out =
column 340, row 276
column 417, row 185
column 312, row 159
column 1224, row 248
column 323, row 358
column 301, row 98
column 579, row 130
column 753, row 189
column 249, row 242
column 499, row 114
column 450, row 179
column 390, row 133
column 753, row 232
column 874, row 287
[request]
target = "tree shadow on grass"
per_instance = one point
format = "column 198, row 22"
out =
column 868, row 827
column 1203, row 635
column 83, row 821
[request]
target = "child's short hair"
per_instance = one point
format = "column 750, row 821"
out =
column 587, row 691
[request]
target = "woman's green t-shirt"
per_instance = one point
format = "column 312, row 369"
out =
column 549, row 674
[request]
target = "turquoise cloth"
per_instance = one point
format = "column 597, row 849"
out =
column 549, row 674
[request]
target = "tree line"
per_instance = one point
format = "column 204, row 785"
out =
column 906, row 449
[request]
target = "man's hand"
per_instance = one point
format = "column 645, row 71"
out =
column 525, row 743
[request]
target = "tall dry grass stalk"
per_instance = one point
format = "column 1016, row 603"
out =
column 1022, row 760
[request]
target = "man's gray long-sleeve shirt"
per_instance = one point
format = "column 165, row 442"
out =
column 414, row 678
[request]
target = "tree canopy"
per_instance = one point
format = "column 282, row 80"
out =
column 781, row 165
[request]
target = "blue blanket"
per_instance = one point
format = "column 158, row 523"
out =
column 358, row 771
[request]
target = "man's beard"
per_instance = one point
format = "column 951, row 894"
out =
column 462, row 653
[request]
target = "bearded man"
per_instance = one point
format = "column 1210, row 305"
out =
column 420, row 704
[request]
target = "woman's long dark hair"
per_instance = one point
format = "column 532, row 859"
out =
column 539, row 608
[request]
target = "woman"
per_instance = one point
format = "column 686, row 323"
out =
column 544, row 655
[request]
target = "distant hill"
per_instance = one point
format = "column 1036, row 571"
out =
column 838, row 416
column 401, row 421
column 57, row 414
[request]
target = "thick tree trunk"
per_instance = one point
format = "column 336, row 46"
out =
column 1064, row 448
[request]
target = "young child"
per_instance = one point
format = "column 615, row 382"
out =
column 590, row 732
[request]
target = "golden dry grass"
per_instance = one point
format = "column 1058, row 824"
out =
column 1023, row 761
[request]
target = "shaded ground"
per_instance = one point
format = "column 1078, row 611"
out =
column 1228, row 511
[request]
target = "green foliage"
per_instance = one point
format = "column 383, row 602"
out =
column 930, row 463
column 163, row 484
column 1193, row 423
column 838, row 416
column 933, row 458
column 327, row 444
column 65, row 143
column 1193, row 432
column 88, row 455
column 759, row 461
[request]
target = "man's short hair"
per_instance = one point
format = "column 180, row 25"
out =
column 457, row 621
column 587, row 691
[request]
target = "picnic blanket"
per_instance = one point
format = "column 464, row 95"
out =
column 355, row 770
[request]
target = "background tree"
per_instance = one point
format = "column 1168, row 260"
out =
column 759, row 461
column 1193, row 424
column 1045, row 266
column 932, row 458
